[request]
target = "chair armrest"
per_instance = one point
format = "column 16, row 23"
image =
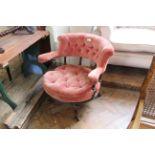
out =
column 48, row 56
column 94, row 75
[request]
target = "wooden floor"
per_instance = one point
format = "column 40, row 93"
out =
column 112, row 110
column 124, row 77
column 115, row 103
column 145, row 126
column 17, row 90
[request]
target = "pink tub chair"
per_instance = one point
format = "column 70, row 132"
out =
column 75, row 83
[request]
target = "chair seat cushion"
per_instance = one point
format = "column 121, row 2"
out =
column 69, row 83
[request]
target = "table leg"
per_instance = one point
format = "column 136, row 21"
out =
column 5, row 97
column 9, row 73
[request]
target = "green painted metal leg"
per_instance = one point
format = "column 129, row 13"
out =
column 5, row 97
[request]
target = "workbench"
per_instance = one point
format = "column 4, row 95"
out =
column 14, row 44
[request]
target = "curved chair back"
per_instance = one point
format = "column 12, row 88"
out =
column 85, row 45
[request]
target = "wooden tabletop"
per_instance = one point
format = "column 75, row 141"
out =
column 14, row 44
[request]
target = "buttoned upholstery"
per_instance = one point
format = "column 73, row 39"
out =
column 89, row 46
column 75, row 83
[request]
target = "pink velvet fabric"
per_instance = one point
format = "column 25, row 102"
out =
column 69, row 83
column 73, row 83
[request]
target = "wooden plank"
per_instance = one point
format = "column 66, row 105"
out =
column 147, row 123
column 123, row 77
column 146, row 126
column 29, row 110
column 18, row 117
column 2, row 126
column 13, row 117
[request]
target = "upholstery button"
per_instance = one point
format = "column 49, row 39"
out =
column 89, row 39
column 73, row 78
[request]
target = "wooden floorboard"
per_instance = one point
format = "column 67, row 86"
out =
column 114, row 109
column 24, row 111
column 124, row 77
column 146, row 126
column 17, row 90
